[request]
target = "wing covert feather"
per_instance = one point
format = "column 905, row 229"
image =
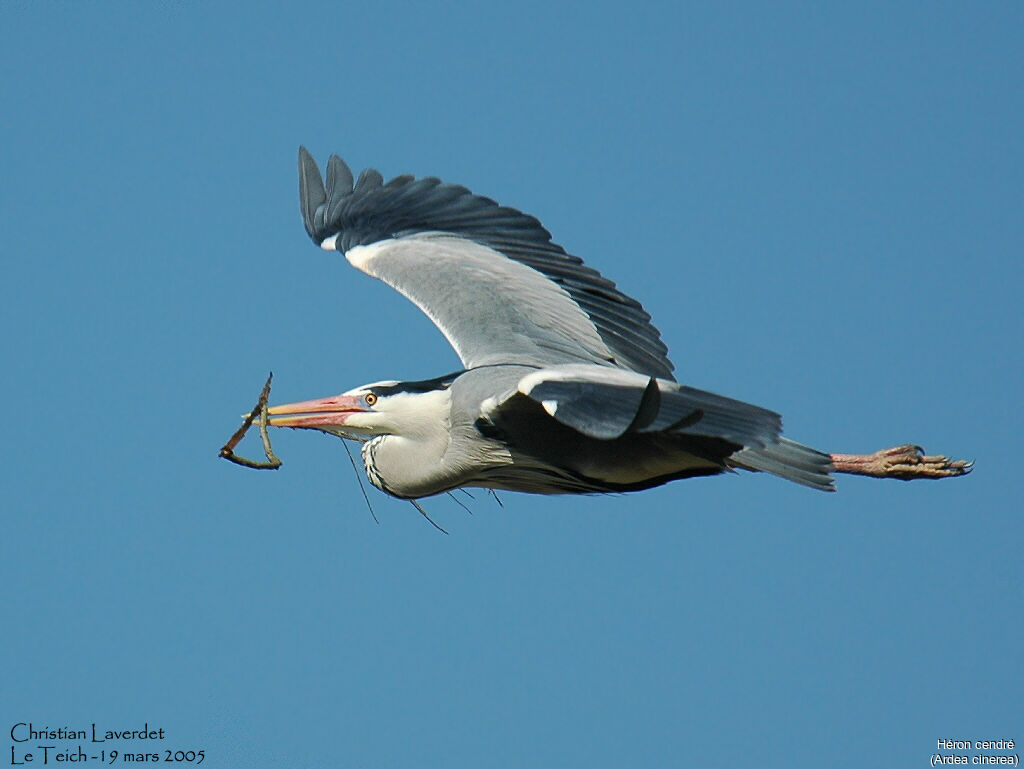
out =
column 491, row 309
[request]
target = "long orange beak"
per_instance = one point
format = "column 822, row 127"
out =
column 322, row 412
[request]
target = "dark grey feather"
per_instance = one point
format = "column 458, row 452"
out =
column 369, row 180
column 791, row 460
column 339, row 178
column 312, row 194
column 719, row 417
column 600, row 410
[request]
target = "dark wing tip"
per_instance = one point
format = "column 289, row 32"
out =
column 312, row 193
column 339, row 178
column 369, row 179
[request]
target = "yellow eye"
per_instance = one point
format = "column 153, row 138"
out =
column 370, row 399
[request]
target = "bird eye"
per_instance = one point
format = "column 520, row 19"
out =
column 370, row 399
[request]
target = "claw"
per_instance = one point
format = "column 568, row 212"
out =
column 905, row 463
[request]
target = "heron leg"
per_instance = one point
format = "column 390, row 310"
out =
column 905, row 463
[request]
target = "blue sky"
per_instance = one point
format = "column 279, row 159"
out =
column 820, row 205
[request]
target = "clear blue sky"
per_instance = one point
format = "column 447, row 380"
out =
column 822, row 206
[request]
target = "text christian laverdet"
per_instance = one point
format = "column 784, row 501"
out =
column 33, row 745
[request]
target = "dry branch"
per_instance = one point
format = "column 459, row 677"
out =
column 228, row 449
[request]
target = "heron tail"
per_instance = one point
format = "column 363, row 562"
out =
column 790, row 460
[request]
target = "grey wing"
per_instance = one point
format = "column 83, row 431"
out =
column 488, row 276
column 607, row 403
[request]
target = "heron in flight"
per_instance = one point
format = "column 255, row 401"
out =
column 566, row 386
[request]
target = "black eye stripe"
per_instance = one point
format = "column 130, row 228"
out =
column 424, row 386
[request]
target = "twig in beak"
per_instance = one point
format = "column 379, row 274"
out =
column 228, row 449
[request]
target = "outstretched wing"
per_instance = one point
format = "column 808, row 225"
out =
column 487, row 275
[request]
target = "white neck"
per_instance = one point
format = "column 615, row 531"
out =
column 409, row 461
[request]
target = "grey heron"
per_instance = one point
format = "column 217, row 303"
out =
column 566, row 386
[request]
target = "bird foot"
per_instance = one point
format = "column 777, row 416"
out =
column 905, row 463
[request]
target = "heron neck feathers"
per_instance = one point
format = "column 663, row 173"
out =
column 407, row 460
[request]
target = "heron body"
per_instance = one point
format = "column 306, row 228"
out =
column 566, row 386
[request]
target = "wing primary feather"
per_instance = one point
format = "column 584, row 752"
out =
column 312, row 194
column 369, row 179
column 398, row 181
column 339, row 178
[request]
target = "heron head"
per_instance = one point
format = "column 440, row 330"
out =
column 381, row 408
